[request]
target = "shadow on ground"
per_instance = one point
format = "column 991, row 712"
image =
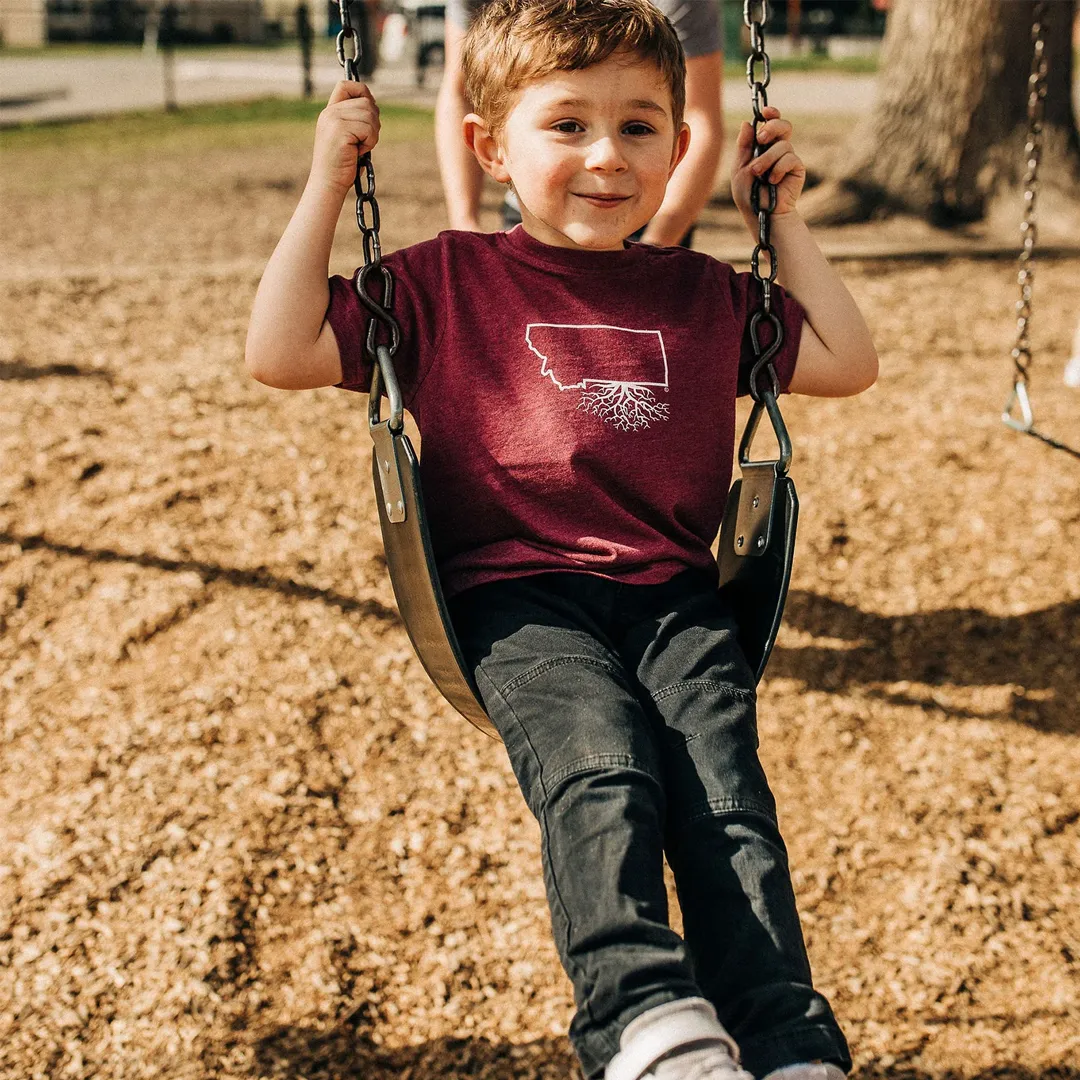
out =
column 19, row 371
column 1035, row 652
column 347, row 1054
column 235, row 576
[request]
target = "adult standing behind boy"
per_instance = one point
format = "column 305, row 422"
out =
column 697, row 24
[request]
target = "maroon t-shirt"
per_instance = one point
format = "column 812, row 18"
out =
column 576, row 408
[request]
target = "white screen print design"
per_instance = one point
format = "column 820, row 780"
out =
column 615, row 368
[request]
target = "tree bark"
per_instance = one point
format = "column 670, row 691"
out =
column 945, row 138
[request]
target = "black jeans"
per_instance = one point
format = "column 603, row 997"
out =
column 628, row 714
column 511, row 216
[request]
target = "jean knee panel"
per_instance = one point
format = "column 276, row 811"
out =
column 614, row 765
column 565, row 712
column 551, row 663
column 715, row 686
column 710, row 751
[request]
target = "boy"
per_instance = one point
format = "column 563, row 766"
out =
column 576, row 399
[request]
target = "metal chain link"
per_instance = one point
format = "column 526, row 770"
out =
column 367, row 204
column 1036, row 109
column 1025, row 278
column 755, row 16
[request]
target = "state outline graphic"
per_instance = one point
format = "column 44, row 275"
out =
column 622, row 396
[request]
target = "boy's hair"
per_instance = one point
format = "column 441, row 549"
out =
column 511, row 42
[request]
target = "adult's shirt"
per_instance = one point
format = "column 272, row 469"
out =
column 576, row 408
column 696, row 22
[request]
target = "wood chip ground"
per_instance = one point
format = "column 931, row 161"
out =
column 240, row 835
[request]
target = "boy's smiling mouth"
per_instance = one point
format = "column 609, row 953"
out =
column 602, row 200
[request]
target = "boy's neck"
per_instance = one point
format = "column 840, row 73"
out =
column 542, row 234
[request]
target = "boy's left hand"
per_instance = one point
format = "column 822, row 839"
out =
column 779, row 165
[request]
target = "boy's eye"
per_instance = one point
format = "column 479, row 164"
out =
column 638, row 129
column 568, row 127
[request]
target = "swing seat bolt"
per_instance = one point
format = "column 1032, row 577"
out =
column 400, row 506
column 740, row 541
column 760, row 542
column 389, row 509
column 757, row 502
column 386, row 466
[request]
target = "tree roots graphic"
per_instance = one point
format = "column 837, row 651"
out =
column 629, row 406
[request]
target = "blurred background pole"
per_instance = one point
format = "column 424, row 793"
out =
column 167, row 40
column 362, row 21
column 304, row 33
column 151, row 28
column 794, row 20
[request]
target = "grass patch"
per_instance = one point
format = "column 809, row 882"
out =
column 217, row 123
column 848, row 65
column 79, row 49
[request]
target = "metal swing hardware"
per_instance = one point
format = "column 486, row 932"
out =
column 385, row 435
column 760, row 482
column 395, row 466
column 1018, row 413
column 757, row 539
column 757, row 536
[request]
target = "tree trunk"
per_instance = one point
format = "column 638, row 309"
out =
column 945, row 138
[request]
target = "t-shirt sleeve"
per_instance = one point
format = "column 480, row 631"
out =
column 417, row 286
column 745, row 302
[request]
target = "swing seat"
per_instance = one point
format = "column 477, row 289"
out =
column 754, row 574
column 410, row 558
column 756, row 552
column 757, row 541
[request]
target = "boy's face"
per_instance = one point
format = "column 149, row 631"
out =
column 589, row 152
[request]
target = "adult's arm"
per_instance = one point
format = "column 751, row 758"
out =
column 694, row 180
column 462, row 177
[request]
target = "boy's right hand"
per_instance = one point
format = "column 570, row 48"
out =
column 347, row 128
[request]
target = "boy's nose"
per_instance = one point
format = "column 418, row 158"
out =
column 604, row 154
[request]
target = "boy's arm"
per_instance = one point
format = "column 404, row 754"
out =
column 289, row 343
column 836, row 353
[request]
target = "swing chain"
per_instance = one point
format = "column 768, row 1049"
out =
column 351, row 64
column 1036, row 108
column 367, row 204
column 755, row 16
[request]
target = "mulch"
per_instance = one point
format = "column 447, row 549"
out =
column 241, row 836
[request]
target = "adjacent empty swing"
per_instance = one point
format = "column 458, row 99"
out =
column 757, row 537
column 1019, row 401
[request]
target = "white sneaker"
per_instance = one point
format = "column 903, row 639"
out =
column 681, row 1040
column 807, row 1072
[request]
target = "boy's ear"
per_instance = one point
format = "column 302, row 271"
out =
column 479, row 139
column 682, row 144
